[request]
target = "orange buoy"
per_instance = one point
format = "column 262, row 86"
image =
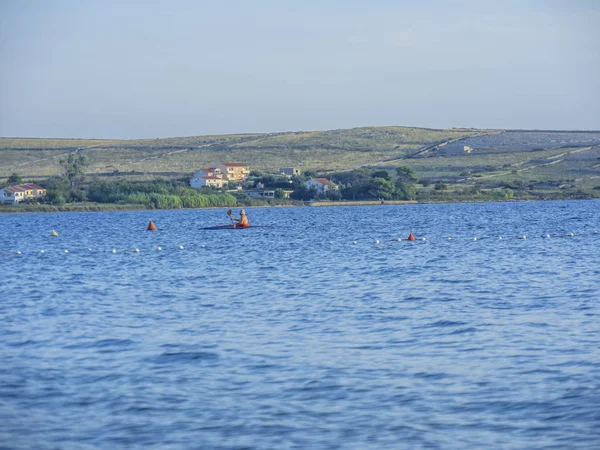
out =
column 151, row 226
column 410, row 236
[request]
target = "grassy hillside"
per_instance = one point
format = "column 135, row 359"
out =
column 543, row 162
column 332, row 150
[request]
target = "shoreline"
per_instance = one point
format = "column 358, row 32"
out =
column 107, row 207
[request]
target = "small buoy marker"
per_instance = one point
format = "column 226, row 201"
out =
column 571, row 234
column 53, row 233
column 42, row 251
column 377, row 241
column 547, row 236
column 137, row 250
column 66, row 251
column 159, row 248
column 523, row 237
column 423, row 239
column 474, row 238
column 181, row 247
column 399, row 239
column 89, row 249
column 410, row 236
column 353, row 243
column 114, row 250
column 449, row 238
column 151, row 226
column 499, row 238
column 18, row 252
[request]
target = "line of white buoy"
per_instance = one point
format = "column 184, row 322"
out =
column 475, row 238
column 90, row 250
column 355, row 242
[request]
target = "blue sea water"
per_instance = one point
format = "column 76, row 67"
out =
column 308, row 335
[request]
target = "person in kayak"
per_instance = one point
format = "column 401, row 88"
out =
column 242, row 222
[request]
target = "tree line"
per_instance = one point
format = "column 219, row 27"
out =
column 73, row 186
column 362, row 184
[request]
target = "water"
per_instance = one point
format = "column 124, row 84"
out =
column 295, row 337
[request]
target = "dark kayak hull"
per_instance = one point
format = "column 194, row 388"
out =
column 230, row 227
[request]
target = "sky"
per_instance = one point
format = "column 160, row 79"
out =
column 124, row 69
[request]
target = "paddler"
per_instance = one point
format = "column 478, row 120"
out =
column 242, row 222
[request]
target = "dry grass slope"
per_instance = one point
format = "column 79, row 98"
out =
column 545, row 160
column 332, row 150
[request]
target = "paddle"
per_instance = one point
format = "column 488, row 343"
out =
column 229, row 214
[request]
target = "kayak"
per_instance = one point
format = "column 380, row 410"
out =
column 230, row 227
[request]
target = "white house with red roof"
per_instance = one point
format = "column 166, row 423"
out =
column 320, row 185
column 219, row 175
column 207, row 181
column 13, row 195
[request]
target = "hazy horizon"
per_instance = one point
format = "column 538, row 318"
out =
column 135, row 70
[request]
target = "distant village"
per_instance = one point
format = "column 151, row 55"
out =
column 225, row 175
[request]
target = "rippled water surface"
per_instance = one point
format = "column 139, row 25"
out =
column 308, row 335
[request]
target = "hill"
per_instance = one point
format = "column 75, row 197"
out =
column 331, row 150
column 541, row 161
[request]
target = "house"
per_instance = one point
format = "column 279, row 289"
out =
column 260, row 193
column 234, row 171
column 207, row 172
column 266, row 193
column 13, row 195
column 226, row 171
column 321, row 185
column 38, row 191
column 289, row 171
column 206, row 180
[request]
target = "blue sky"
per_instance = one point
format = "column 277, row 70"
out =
column 145, row 69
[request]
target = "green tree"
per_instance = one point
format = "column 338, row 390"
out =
column 405, row 183
column 73, row 169
column 405, row 174
column 302, row 193
column 15, row 178
column 381, row 174
column 381, row 188
column 354, row 185
column 405, row 191
column 502, row 194
column 55, row 197
column 57, row 190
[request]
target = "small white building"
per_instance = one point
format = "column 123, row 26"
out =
column 320, row 185
column 289, row 171
column 260, row 193
column 11, row 196
column 198, row 182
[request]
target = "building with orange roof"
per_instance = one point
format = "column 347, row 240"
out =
column 13, row 195
column 234, row 171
